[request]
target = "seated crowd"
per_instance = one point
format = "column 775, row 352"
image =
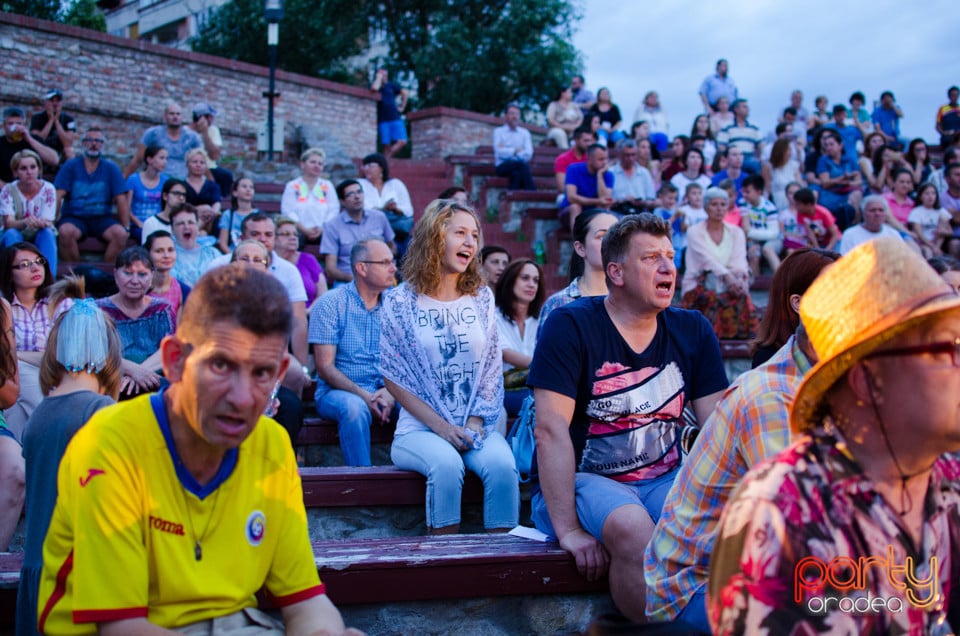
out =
column 700, row 499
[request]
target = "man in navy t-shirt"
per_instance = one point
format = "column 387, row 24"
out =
column 390, row 124
column 615, row 378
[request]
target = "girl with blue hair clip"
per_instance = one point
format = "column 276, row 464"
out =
column 79, row 375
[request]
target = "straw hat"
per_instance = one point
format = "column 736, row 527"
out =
column 877, row 291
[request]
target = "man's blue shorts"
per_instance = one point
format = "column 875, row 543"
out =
column 391, row 131
column 599, row 496
column 90, row 225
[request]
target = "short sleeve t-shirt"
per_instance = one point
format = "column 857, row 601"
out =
column 928, row 219
column 452, row 334
column 89, row 194
column 126, row 500
column 176, row 150
column 146, row 201
column 820, row 222
column 387, row 106
column 629, row 405
column 578, row 175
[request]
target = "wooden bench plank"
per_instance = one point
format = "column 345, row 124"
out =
column 445, row 567
column 316, row 430
column 352, row 486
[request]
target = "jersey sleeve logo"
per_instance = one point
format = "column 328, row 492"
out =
column 256, row 528
column 91, row 473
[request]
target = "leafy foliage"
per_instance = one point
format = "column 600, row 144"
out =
column 86, row 14
column 43, row 9
column 81, row 13
column 480, row 54
column 316, row 36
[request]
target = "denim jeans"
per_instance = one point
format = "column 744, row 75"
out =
column 353, row 419
column 45, row 240
column 443, row 465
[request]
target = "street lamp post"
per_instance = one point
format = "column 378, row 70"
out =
column 273, row 13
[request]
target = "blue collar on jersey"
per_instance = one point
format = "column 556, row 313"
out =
column 186, row 479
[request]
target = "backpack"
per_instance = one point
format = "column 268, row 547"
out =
column 521, row 438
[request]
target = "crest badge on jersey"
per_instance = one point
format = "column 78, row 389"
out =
column 256, row 527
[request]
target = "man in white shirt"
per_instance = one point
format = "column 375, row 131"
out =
column 260, row 227
column 875, row 210
column 633, row 189
column 512, row 151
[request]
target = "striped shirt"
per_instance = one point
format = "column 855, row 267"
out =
column 745, row 137
column 750, row 423
column 32, row 326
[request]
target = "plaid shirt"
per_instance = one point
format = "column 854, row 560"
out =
column 32, row 326
column 341, row 318
column 750, row 423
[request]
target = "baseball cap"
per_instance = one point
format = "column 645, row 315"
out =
column 203, row 108
column 52, row 93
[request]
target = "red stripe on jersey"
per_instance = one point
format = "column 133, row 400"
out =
column 296, row 597
column 108, row 615
column 59, row 590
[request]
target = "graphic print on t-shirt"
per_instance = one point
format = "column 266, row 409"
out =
column 454, row 361
column 634, row 417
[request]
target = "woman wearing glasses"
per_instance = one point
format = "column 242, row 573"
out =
column 142, row 321
column 251, row 253
column 287, row 247
column 35, row 303
column 173, row 194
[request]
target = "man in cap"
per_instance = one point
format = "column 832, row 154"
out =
column 15, row 138
column 853, row 528
column 203, row 114
column 55, row 129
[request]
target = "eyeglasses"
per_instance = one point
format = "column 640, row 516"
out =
column 947, row 346
column 353, row 193
column 286, row 234
column 177, row 193
column 258, row 260
column 385, row 262
column 90, row 140
column 39, row 262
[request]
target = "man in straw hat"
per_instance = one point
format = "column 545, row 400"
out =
column 855, row 527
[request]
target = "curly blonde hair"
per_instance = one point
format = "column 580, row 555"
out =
column 422, row 267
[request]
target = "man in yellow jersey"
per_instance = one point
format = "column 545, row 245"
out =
column 175, row 508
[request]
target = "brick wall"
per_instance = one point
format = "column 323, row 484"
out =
column 439, row 132
column 122, row 85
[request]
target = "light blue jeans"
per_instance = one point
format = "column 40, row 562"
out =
column 443, row 465
column 45, row 240
column 353, row 420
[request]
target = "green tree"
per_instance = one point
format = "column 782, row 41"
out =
column 316, row 36
column 86, row 14
column 43, row 9
column 480, row 54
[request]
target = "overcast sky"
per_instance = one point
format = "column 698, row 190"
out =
column 823, row 47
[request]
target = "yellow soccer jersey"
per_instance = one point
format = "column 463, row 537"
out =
column 123, row 539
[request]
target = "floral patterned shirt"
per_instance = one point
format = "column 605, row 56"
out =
column 808, row 546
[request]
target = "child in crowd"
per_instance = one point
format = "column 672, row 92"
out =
column 820, row 224
column 670, row 212
column 692, row 209
column 929, row 222
column 795, row 235
column 79, row 375
column 241, row 205
column 759, row 220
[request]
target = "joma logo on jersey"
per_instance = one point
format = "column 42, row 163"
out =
column 166, row 526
